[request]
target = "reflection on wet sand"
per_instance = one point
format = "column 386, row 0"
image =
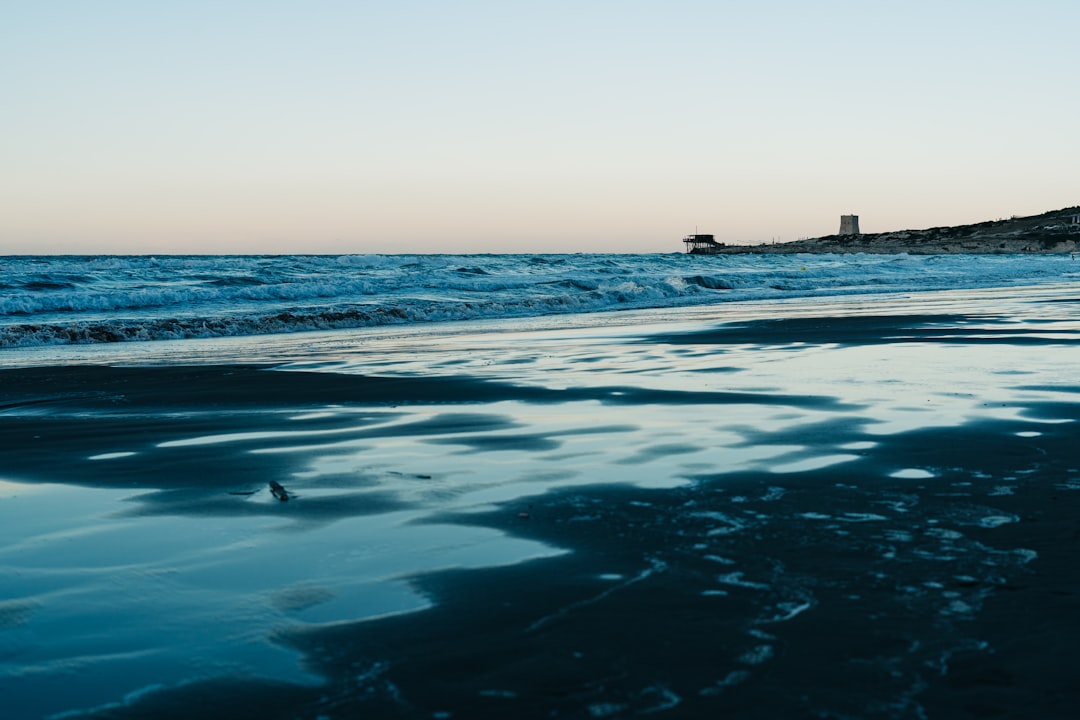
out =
column 863, row 515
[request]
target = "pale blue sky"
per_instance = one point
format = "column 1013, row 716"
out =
column 484, row 126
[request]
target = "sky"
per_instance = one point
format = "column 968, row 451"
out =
column 410, row 126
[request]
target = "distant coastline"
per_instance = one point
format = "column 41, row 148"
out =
column 1053, row 232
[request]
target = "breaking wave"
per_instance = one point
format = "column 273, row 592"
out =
column 102, row 299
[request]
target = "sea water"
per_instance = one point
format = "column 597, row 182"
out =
column 60, row 300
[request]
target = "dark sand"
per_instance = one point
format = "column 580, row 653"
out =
column 927, row 570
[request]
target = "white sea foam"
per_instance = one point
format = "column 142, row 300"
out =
column 64, row 300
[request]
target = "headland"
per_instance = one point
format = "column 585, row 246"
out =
column 1053, row 232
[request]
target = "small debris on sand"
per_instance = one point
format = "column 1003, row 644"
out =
column 278, row 491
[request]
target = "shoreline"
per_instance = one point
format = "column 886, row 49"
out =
column 313, row 348
column 522, row 291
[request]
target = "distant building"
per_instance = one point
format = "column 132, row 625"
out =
column 699, row 244
column 1076, row 219
column 849, row 225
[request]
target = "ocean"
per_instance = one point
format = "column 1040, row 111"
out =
column 59, row 300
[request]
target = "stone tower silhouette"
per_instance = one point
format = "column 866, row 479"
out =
column 849, row 225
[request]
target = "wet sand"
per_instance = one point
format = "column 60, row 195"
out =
column 857, row 509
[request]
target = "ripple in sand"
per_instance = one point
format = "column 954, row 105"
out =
column 736, row 578
column 993, row 521
column 301, row 597
column 757, row 656
column 15, row 612
column 732, row 679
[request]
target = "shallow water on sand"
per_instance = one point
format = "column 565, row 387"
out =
column 735, row 471
column 113, row 596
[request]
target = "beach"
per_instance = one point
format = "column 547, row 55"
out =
column 858, row 506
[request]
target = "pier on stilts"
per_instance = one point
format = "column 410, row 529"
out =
column 698, row 244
